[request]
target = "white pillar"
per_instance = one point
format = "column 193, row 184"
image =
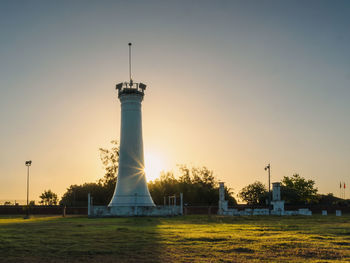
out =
column 89, row 208
column 181, row 203
column 276, row 191
column 222, row 201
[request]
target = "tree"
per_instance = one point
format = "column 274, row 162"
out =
column 48, row 198
column 328, row 199
column 254, row 193
column 198, row 185
column 163, row 186
column 76, row 195
column 110, row 161
column 298, row 190
column 101, row 191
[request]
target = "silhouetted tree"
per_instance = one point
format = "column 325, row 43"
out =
column 110, row 161
column 76, row 195
column 298, row 190
column 254, row 193
column 102, row 190
column 48, row 198
column 328, row 199
column 198, row 185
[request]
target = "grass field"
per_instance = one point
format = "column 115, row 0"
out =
column 177, row 239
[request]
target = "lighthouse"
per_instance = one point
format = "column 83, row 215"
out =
column 131, row 189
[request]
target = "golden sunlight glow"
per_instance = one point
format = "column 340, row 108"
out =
column 154, row 164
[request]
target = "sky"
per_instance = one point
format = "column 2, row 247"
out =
column 231, row 85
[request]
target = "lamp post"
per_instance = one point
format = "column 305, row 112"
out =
column 269, row 196
column 28, row 164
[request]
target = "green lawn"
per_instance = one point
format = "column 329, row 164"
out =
column 177, row 239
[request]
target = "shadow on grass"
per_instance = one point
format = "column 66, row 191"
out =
column 81, row 240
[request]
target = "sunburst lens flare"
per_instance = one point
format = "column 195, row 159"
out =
column 154, row 165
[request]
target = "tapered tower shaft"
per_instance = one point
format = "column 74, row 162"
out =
column 131, row 188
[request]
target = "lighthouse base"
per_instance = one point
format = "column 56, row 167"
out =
column 128, row 211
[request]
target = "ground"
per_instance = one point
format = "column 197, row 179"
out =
column 177, row 239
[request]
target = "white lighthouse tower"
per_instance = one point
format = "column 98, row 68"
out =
column 131, row 189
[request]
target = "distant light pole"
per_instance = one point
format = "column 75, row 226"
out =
column 269, row 196
column 28, row 163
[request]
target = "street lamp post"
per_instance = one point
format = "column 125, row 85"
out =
column 269, row 196
column 28, row 164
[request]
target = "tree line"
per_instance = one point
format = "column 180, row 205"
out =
column 198, row 185
column 295, row 190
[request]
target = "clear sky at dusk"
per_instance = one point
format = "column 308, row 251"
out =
column 232, row 85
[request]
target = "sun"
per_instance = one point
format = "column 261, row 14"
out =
column 154, row 164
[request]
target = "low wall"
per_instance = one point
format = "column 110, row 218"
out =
column 200, row 210
column 41, row 210
column 105, row 211
column 316, row 209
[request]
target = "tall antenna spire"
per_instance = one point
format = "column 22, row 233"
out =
column 130, row 87
column 130, row 62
